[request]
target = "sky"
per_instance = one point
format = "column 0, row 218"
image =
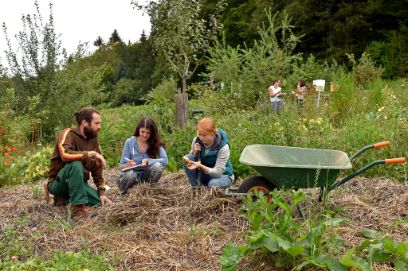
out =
column 77, row 20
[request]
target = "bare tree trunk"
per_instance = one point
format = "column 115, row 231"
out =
column 181, row 99
column 184, row 85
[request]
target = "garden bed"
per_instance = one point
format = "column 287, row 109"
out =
column 165, row 227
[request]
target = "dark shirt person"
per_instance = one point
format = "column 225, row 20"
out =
column 77, row 156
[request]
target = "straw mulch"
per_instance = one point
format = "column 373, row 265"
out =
column 372, row 203
column 166, row 227
column 153, row 227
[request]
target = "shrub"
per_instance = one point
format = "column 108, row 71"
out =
column 249, row 72
column 364, row 70
column 163, row 93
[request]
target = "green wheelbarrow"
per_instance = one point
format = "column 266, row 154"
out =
column 294, row 168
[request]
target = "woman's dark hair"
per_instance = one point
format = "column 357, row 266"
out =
column 86, row 114
column 302, row 83
column 154, row 141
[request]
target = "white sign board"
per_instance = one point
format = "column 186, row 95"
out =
column 319, row 84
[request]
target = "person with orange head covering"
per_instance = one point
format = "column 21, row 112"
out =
column 209, row 155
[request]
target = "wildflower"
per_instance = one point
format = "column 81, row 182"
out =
column 7, row 163
column 1, row 147
column 381, row 109
column 14, row 149
column 14, row 258
column 8, row 149
column 34, row 228
column 7, row 154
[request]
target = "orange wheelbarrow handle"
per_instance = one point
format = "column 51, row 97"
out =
column 399, row 160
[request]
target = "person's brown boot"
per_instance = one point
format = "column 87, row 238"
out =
column 80, row 211
column 60, row 201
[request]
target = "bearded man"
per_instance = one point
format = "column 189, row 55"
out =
column 76, row 156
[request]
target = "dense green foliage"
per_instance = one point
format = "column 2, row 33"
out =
column 181, row 34
column 280, row 236
column 363, row 108
column 359, row 116
column 330, row 29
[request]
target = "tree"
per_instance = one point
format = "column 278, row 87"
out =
column 98, row 42
column 115, row 38
column 183, row 36
column 34, row 64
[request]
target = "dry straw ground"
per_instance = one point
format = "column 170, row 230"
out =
column 163, row 227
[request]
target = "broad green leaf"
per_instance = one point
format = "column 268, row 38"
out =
column 333, row 222
column 349, row 260
column 295, row 250
column 256, row 222
column 389, row 244
column 330, row 262
column 372, row 234
column 380, row 256
column 270, row 243
column 285, row 244
column 365, row 244
column 401, row 265
column 402, row 250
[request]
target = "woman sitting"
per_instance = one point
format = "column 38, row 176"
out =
column 143, row 157
column 208, row 162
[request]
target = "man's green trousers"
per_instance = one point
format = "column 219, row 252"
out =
column 70, row 184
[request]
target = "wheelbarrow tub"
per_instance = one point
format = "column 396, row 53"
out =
column 294, row 167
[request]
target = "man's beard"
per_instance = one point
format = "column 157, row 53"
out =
column 89, row 133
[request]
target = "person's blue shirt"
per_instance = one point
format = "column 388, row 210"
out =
column 132, row 151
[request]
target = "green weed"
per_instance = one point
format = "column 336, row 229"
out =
column 277, row 231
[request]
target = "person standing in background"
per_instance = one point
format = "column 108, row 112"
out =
column 276, row 95
column 299, row 93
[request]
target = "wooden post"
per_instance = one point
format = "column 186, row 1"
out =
column 181, row 100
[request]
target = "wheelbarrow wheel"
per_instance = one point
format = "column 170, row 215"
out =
column 259, row 183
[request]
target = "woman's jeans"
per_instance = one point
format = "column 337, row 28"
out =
column 197, row 177
column 276, row 106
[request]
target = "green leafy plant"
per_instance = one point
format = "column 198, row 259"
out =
column 38, row 164
column 376, row 249
column 276, row 230
column 364, row 70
